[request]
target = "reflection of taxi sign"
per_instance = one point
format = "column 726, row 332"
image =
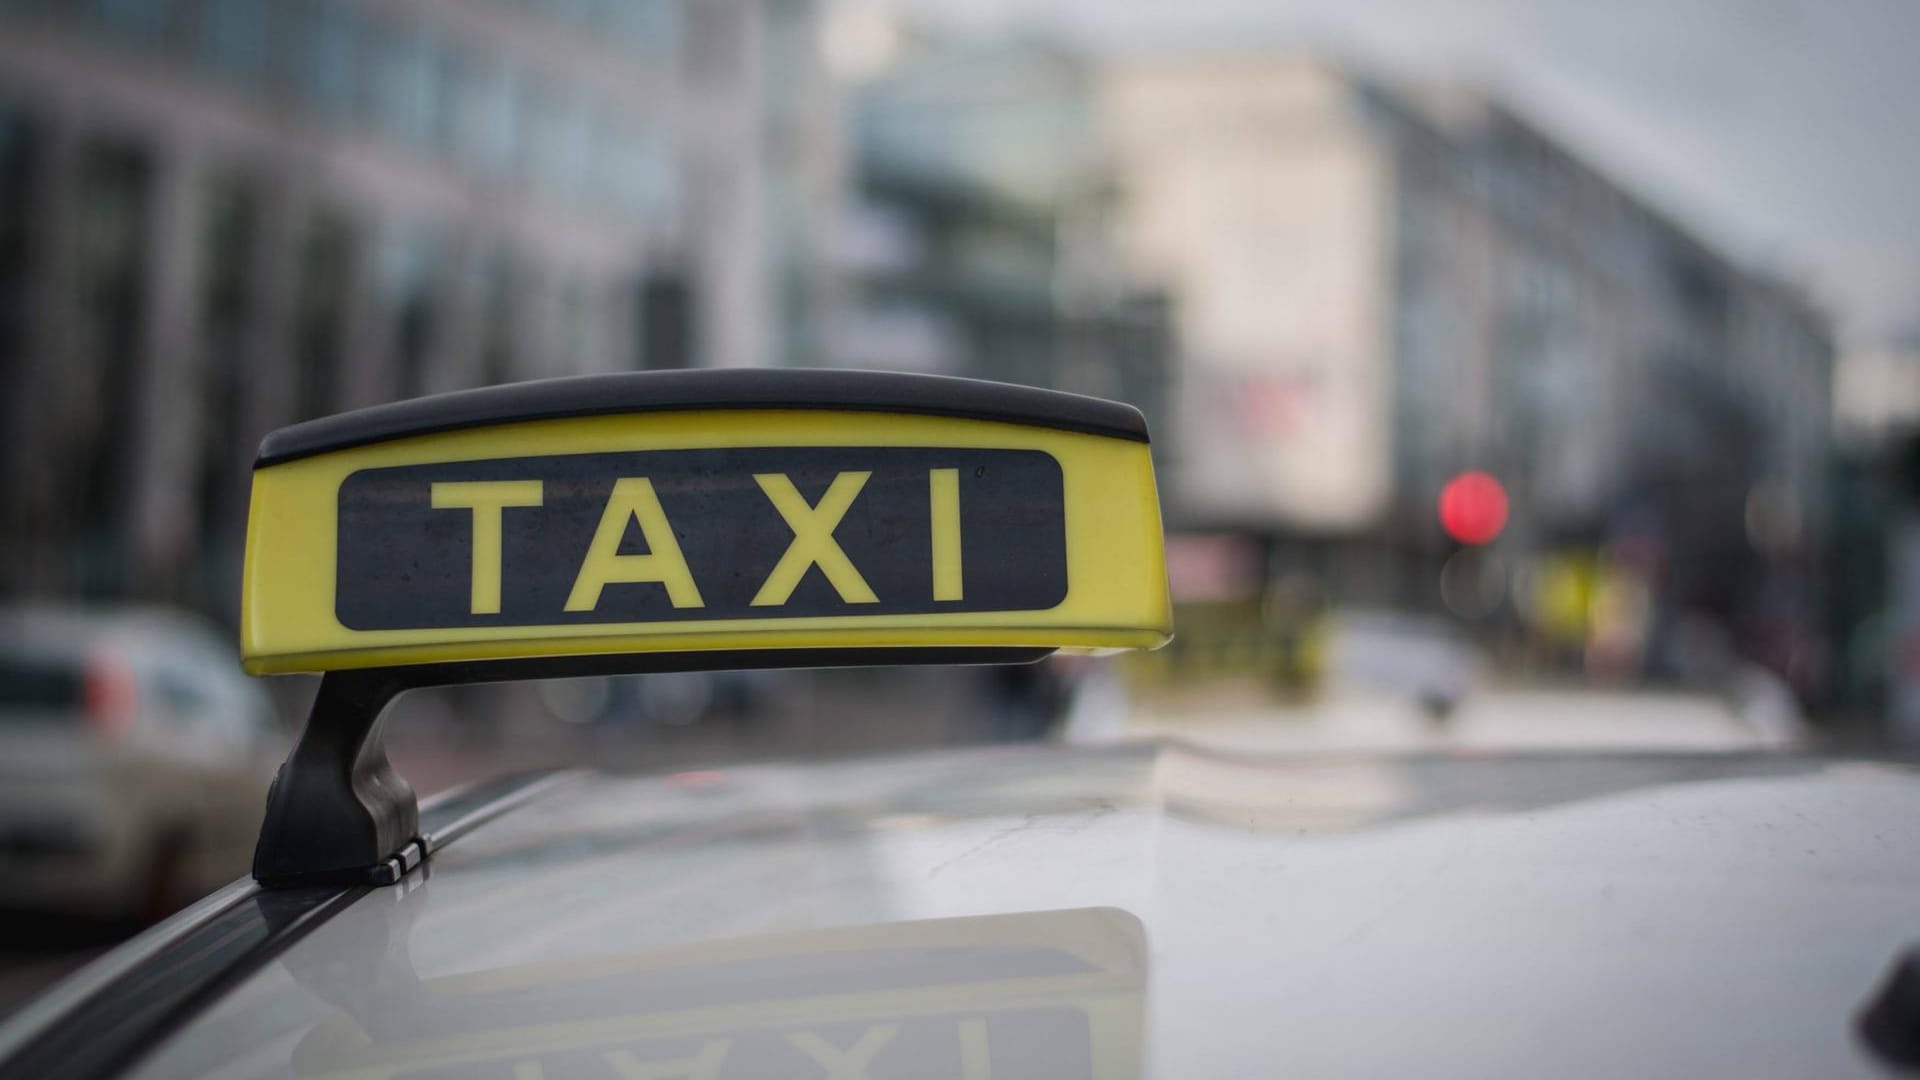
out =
column 601, row 515
column 671, row 521
column 1057, row 994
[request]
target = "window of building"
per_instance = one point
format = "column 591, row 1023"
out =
column 233, row 38
column 407, row 295
column 636, row 174
column 486, row 103
column 651, row 27
column 407, row 85
column 329, row 77
column 570, row 330
column 665, row 334
column 497, row 296
column 227, row 305
column 714, row 41
column 327, row 255
column 642, row 27
column 112, row 205
column 19, row 148
column 143, row 22
column 1699, row 287
column 559, row 142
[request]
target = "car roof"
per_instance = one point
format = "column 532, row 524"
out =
column 1487, row 914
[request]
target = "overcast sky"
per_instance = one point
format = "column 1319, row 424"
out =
column 1785, row 132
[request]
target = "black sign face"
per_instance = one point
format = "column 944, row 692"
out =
column 676, row 535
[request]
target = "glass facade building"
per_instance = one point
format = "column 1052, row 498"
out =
column 222, row 216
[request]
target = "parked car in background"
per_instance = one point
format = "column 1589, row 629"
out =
column 1399, row 654
column 134, row 761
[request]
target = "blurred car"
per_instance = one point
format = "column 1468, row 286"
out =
column 134, row 761
column 1400, row 654
column 646, row 704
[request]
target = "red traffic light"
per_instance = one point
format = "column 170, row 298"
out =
column 1473, row 508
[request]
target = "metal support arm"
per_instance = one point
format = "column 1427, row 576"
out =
column 337, row 809
column 338, row 813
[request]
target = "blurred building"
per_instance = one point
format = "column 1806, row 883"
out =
column 220, row 216
column 1877, row 391
column 1267, row 220
column 977, row 237
column 1875, row 587
column 1377, row 289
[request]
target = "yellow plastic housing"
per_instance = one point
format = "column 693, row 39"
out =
column 1116, row 595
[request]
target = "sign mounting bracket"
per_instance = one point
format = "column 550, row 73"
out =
column 339, row 813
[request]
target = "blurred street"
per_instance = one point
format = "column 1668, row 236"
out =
column 1499, row 721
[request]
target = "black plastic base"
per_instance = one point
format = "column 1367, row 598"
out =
column 337, row 807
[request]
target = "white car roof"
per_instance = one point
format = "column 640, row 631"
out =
column 1152, row 910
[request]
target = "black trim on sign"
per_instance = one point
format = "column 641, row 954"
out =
column 681, row 391
column 125, row 1017
column 465, row 672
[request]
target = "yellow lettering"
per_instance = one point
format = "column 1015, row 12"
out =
column 848, row 1064
column 703, row 1066
column 943, row 487
column 632, row 499
column 486, row 499
column 813, row 543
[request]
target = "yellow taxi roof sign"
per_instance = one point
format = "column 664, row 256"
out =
column 709, row 514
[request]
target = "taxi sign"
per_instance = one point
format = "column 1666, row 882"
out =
column 669, row 521
column 701, row 511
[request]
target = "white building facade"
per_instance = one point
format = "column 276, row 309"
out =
column 1376, row 289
